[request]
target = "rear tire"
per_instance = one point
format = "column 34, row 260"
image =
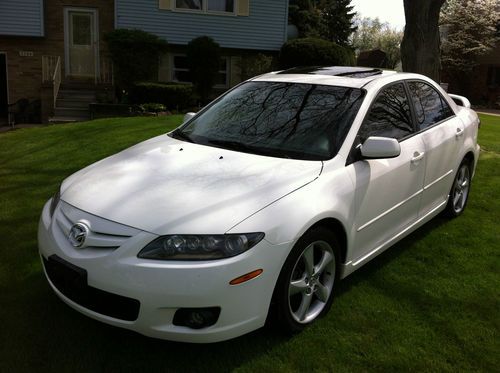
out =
column 305, row 287
column 459, row 193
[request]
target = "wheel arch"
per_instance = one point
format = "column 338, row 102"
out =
column 338, row 229
column 469, row 156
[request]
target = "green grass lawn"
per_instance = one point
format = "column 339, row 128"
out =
column 431, row 303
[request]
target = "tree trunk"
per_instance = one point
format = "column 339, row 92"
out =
column 420, row 48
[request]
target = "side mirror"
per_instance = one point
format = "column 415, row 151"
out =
column 380, row 147
column 188, row 116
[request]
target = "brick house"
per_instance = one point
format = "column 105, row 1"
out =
column 53, row 50
column 47, row 44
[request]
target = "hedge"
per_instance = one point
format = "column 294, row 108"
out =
column 173, row 96
column 314, row 52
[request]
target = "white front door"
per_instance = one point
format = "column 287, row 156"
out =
column 81, row 38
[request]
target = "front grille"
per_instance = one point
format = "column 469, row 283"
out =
column 71, row 281
column 103, row 234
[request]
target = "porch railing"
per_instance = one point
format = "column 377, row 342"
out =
column 105, row 72
column 51, row 73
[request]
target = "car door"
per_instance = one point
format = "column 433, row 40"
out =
column 442, row 134
column 387, row 191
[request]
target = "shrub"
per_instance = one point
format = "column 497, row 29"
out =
column 314, row 52
column 173, row 95
column 255, row 64
column 152, row 107
column 135, row 55
column 203, row 57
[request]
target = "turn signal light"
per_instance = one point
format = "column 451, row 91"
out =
column 246, row 277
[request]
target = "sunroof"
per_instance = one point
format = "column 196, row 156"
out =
column 350, row 72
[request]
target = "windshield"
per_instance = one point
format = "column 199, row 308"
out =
column 289, row 120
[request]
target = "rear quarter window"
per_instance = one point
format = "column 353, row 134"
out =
column 430, row 106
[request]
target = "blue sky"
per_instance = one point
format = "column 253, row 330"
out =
column 391, row 11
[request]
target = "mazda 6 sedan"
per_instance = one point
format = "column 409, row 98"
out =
column 255, row 207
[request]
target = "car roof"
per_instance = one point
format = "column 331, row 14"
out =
column 344, row 76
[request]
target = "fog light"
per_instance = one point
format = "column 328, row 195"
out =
column 196, row 318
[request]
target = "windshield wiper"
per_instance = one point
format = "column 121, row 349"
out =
column 238, row 146
column 179, row 135
column 230, row 144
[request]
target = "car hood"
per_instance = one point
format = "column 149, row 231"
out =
column 167, row 186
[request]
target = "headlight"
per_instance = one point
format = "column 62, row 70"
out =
column 55, row 201
column 199, row 247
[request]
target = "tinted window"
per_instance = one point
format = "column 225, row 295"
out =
column 304, row 121
column 430, row 107
column 389, row 116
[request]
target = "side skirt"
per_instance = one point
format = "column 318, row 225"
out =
column 347, row 268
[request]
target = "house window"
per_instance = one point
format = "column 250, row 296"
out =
column 189, row 4
column 180, row 71
column 223, row 75
column 222, row 6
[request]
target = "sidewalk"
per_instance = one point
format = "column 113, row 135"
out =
column 489, row 112
column 6, row 128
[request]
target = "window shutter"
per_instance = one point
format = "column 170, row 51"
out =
column 166, row 4
column 243, row 7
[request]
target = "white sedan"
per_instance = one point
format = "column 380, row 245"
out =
column 259, row 204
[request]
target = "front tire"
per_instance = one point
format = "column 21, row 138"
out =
column 459, row 194
column 304, row 291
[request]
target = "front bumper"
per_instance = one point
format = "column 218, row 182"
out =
column 164, row 287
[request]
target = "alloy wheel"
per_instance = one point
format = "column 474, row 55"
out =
column 461, row 188
column 311, row 282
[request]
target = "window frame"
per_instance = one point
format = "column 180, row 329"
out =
column 204, row 9
column 413, row 109
column 173, row 69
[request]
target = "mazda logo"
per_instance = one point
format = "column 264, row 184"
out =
column 78, row 234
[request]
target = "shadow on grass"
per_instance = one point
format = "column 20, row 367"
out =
column 55, row 337
column 369, row 269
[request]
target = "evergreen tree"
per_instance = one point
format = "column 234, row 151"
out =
column 337, row 20
column 326, row 19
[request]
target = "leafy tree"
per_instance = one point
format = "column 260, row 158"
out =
column 372, row 34
column 471, row 31
column 203, row 57
column 326, row 19
column 420, row 45
column 135, row 55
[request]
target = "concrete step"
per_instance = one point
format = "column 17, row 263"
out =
column 71, row 85
column 71, row 112
column 77, row 95
column 73, row 103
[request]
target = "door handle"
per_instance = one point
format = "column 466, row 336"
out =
column 460, row 132
column 417, row 157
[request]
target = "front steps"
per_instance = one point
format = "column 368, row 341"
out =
column 72, row 104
